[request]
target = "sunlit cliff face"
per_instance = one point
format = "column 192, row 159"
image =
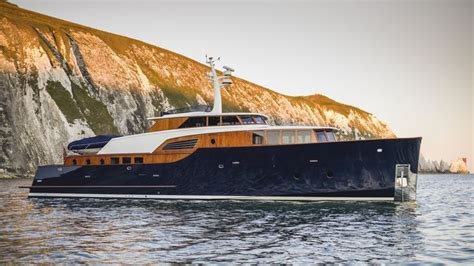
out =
column 61, row 81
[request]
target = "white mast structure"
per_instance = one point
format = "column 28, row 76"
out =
column 218, row 82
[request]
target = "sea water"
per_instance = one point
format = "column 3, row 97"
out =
column 438, row 228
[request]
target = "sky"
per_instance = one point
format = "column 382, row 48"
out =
column 410, row 63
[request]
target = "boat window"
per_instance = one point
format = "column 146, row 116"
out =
column 330, row 136
column 304, row 136
column 321, row 136
column 74, row 162
column 273, row 137
column 246, row 119
column 257, row 137
column 194, row 122
column 259, row 120
column 126, row 160
column 88, row 161
column 230, row 120
column 102, row 161
column 138, row 160
column 288, row 136
column 213, row 120
column 114, row 160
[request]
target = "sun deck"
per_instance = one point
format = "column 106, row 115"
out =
column 205, row 119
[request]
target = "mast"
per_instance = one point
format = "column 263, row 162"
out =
column 218, row 82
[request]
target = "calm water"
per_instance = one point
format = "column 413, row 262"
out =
column 439, row 228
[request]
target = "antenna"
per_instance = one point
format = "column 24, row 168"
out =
column 228, row 68
column 218, row 82
column 228, row 71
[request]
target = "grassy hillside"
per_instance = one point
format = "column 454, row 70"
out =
column 98, row 63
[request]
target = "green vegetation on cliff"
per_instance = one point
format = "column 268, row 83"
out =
column 83, row 106
column 63, row 100
column 94, row 111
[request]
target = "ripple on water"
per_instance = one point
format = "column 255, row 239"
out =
column 438, row 228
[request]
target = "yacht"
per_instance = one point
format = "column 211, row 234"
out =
column 199, row 153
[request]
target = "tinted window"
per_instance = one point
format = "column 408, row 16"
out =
column 126, row 160
column 114, row 160
column 257, row 137
column 213, row 120
column 246, row 119
column 138, row 160
column 273, row 137
column 288, row 136
column 330, row 136
column 194, row 122
column 230, row 120
column 304, row 136
column 321, row 136
column 259, row 120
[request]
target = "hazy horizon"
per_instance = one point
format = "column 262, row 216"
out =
column 410, row 63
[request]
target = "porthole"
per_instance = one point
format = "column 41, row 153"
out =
column 296, row 176
column 213, row 141
column 220, row 166
column 329, row 174
column 129, row 168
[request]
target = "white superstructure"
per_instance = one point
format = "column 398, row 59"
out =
column 149, row 142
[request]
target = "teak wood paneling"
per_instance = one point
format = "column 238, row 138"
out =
column 222, row 139
column 167, row 123
column 147, row 158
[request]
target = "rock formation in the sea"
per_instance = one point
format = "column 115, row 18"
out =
column 61, row 81
column 459, row 166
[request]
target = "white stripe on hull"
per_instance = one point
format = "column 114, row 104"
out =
column 208, row 197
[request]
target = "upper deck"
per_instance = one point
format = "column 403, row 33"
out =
column 205, row 119
column 179, row 133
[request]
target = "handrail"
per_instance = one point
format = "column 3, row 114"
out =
column 194, row 108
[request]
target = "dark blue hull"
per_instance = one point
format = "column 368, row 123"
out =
column 355, row 169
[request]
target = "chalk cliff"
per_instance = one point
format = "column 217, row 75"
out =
column 61, row 81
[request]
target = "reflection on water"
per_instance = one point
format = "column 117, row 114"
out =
column 439, row 228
